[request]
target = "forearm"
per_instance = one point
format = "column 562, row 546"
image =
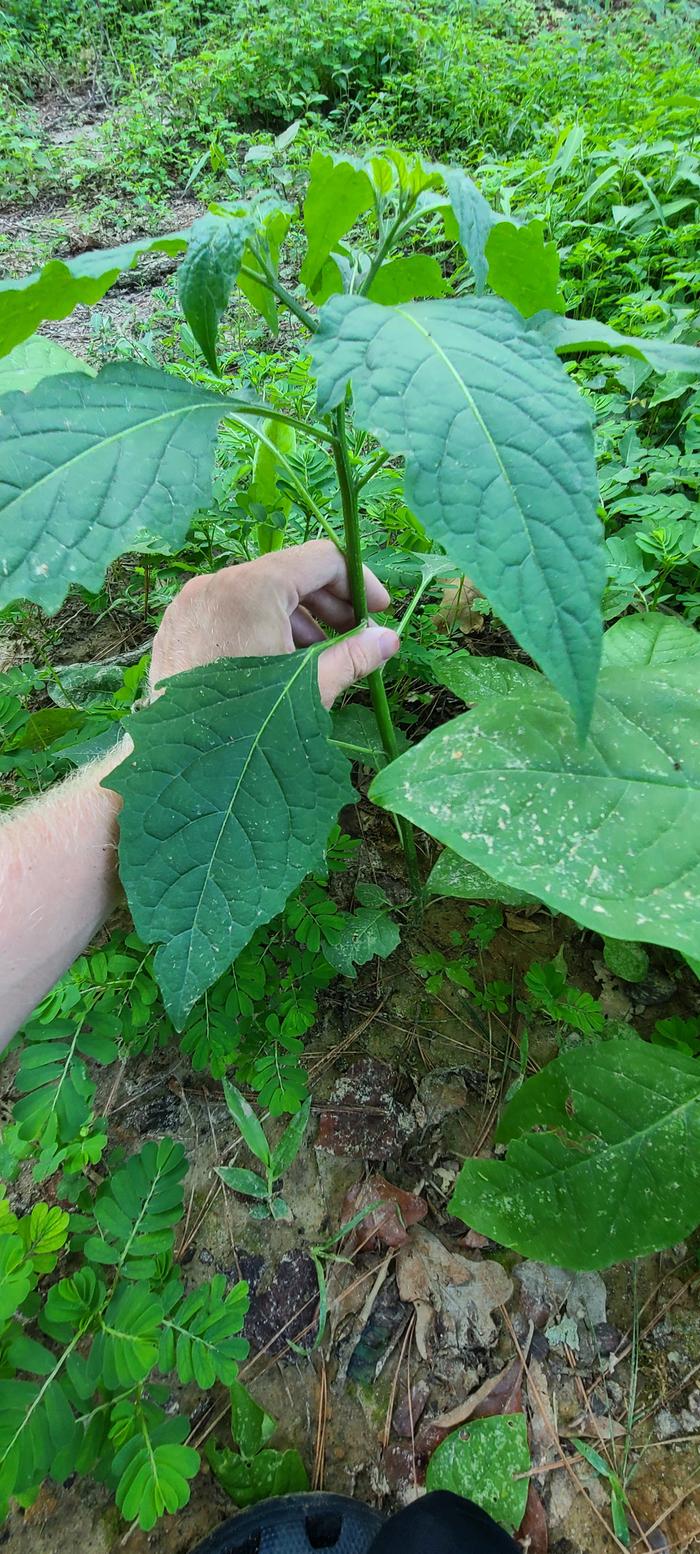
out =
column 58, row 884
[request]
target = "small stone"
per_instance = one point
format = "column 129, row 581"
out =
column 364, row 1119
column 608, row 1337
column 406, row 1417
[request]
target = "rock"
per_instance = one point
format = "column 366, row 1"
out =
column 548, row 1292
column 406, row 1416
column 364, row 1119
column 286, row 1308
column 441, row 1092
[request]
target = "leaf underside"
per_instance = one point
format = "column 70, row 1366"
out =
column 229, row 795
column 607, row 831
column 88, row 464
column 614, row 1169
column 499, row 460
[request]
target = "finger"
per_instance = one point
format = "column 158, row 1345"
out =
column 326, row 606
column 344, row 663
column 318, row 564
column 304, row 629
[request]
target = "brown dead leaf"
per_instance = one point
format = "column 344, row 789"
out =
column 499, row 1394
column 521, row 924
column 455, row 611
column 386, row 1225
column 533, row 1534
column 461, row 1293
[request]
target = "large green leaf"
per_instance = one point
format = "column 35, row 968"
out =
column 586, row 334
column 499, row 460
column 603, row 1158
column 34, row 359
column 208, row 272
column 229, row 797
column 523, row 268
column 338, row 193
column 486, row 1461
column 89, row 464
column 657, row 640
column 607, row 831
column 55, row 290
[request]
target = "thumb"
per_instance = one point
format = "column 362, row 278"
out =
column 344, row 663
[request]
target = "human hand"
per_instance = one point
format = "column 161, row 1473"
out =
column 274, row 605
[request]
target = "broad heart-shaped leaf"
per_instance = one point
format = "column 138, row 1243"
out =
column 229, row 797
column 55, row 290
column 607, row 831
column 656, row 640
column 417, row 275
column 523, row 268
column 499, row 460
column 474, row 217
column 34, row 359
column 586, row 334
column 453, row 876
column 87, row 464
column 208, row 272
column 613, row 1170
column 338, row 192
column 487, row 1461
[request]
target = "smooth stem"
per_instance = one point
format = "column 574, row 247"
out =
column 266, row 278
column 358, row 594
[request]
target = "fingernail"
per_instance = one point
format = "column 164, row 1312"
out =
column 387, row 642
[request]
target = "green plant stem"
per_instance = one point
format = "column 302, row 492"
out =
column 264, row 278
column 384, row 248
column 374, row 468
column 358, row 594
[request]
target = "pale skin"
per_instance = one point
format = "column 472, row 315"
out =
column 58, row 853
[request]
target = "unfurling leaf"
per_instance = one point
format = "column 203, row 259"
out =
column 208, row 272
column 475, row 219
column 153, row 1471
column 215, row 832
column 499, row 461
column 603, row 1158
column 88, row 465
